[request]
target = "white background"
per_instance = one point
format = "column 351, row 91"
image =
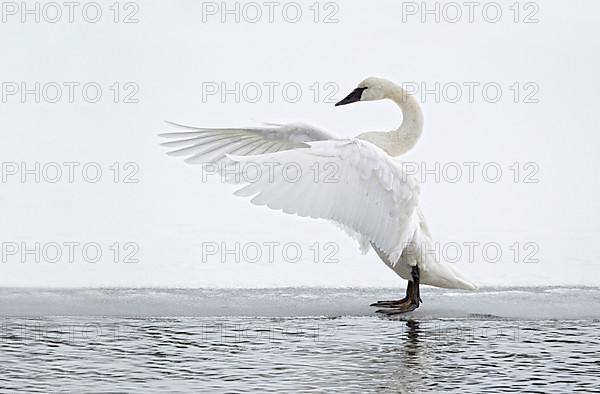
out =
column 170, row 212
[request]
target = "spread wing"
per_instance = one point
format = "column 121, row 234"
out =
column 203, row 145
column 350, row 182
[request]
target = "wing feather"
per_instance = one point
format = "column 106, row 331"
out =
column 202, row 145
column 369, row 197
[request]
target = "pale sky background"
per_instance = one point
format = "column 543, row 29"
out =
column 170, row 212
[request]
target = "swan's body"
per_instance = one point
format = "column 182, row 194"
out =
column 372, row 199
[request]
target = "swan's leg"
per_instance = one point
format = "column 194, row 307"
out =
column 413, row 301
column 396, row 303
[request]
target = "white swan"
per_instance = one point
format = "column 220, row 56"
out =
column 365, row 190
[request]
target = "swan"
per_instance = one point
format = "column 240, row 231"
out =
column 372, row 199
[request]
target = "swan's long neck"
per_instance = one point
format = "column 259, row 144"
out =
column 401, row 140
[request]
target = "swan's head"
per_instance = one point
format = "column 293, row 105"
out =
column 371, row 89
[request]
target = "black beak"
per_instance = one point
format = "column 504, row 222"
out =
column 352, row 97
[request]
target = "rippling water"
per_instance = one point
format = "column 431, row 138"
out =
column 472, row 353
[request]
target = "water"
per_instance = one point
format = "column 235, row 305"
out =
column 283, row 348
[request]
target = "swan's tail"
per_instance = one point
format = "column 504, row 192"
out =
column 433, row 269
column 442, row 274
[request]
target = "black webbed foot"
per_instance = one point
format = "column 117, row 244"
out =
column 389, row 304
column 408, row 303
column 404, row 308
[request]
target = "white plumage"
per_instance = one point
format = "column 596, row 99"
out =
column 356, row 183
column 366, row 192
column 201, row 145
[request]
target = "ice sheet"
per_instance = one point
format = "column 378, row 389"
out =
column 502, row 303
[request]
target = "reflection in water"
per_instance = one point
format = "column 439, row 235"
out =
column 297, row 355
column 412, row 348
column 410, row 360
